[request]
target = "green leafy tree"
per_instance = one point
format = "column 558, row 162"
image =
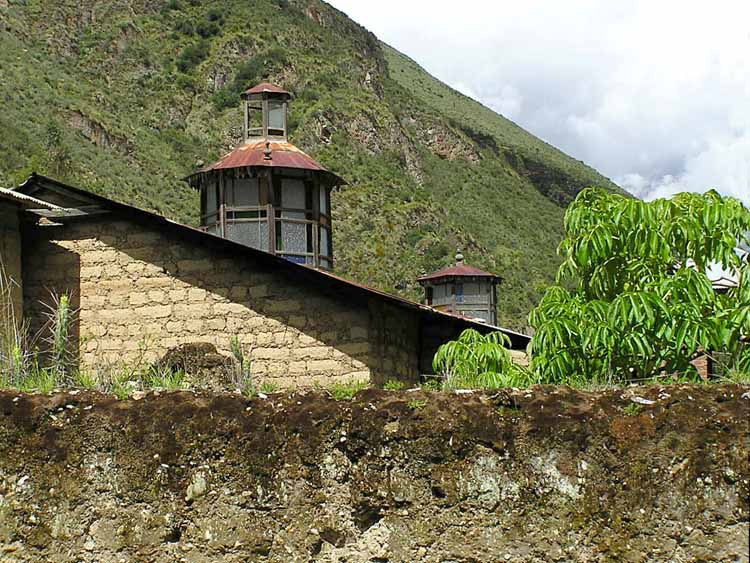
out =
column 479, row 360
column 633, row 298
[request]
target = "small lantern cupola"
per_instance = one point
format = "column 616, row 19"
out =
column 463, row 290
column 265, row 107
column 267, row 193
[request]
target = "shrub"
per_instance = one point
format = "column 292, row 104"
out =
column 225, row 98
column 393, row 385
column 241, row 376
column 192, row 55
column 215, row 14
column 185, row 27
column 185, row 82
column 477, row 360
column 207, row 29
column 171, row 5
column 60, row 320
column 248, row 74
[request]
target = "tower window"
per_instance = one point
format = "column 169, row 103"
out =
column 276, row 119
column 459, row 292
column 254, row 119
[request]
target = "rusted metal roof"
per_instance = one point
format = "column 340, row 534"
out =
column 458, row 271
column 266, row 87
column 283, row 155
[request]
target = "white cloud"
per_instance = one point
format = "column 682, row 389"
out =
column 654, row 94
column 724, row 165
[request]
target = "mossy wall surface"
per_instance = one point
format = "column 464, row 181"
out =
column 548, row 474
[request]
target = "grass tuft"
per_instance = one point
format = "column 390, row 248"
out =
column 268, row 387
column 417, row 404
column 632, row 409
column 167, row 380
column 347, row 391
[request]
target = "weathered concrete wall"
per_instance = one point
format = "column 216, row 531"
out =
column 10, row 257
column 142, row 291
column 529, row 476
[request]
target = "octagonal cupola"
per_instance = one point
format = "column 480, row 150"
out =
column 265, row 107
column 267, row 193
column 463, row 290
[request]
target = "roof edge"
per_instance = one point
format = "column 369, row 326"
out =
column 258, row 145
column 26, row 200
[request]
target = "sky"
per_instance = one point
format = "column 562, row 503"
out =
column 654, row 94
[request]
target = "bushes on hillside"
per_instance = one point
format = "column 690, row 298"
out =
column 192, row 55
column 207, row 27
column 171, row 6
column 249, row 73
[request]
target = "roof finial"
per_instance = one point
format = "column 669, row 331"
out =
column 267, row 151
column 459, row 258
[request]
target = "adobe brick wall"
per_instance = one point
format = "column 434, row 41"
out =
column 10, row 256
column 394, row 343
column 141, row 291
column 702, row 365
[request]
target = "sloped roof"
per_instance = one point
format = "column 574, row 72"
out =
column 326, row 281
column 283, row 155
column 723, row 283
column 266, row 87
column 457, row 271
column 25, row 200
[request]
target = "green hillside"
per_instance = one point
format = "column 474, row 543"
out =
column 125, row 97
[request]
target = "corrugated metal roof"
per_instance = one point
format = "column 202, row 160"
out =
column 25, row 200
column 723, row 283
column 283, row 155
column 457, row 271
column 266, row 87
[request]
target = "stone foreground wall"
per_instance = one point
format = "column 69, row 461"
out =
column 142, row 291
column 534, row 476
column 10, row 257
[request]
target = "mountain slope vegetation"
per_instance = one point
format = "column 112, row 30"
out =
column 126, row 97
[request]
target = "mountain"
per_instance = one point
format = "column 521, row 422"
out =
column 126, row 97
